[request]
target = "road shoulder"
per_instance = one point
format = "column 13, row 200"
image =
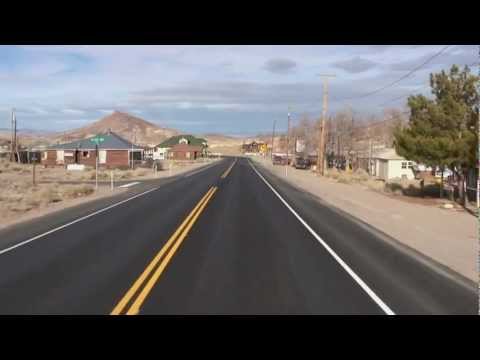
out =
column 448, row 266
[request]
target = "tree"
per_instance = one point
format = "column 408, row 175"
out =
column 443, row 131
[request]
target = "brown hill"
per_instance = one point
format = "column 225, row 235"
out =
column 218, row 140
column 130, row 127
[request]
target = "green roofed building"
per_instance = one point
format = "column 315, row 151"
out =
column 113, row 151
column 180, row 147
column 183, row 139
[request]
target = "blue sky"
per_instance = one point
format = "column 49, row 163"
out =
column 207, row 89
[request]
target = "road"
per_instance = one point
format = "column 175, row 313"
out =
column 229, row 239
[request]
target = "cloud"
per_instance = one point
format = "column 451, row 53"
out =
column 355, row 65
column 280, row 66
column 231, row 87
column 234, row 96
column 460, row 55
column 73, row 112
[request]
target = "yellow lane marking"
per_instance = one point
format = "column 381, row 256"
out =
column 225, row 174
column 131, row 292
column 135, row 308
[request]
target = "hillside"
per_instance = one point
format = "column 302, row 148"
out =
column 218, row 140
column 130, row 127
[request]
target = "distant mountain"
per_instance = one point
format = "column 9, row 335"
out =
column 132, row 128
column 218, row 140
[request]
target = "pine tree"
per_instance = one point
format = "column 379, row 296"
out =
column 443, row 131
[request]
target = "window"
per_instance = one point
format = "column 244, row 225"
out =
column 86, row 154
column 404, row 164
column 44, row 155
column 410, row 165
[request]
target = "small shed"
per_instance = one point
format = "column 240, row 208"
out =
column 389, row 165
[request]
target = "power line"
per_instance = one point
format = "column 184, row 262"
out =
column 400, row 79
column 423, row 87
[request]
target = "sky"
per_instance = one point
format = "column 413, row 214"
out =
column 234, row 90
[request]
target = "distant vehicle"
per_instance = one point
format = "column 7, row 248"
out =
column 446, row 173
column 302, row 164
column 279, row 160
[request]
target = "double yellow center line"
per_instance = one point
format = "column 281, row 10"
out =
column 132, row 301
column 134, row 298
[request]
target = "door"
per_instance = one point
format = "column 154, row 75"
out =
column 60, row 156
column 102, row 157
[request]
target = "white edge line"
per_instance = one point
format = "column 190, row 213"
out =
column 342, row 263
column 75, row 221
column 129, row 184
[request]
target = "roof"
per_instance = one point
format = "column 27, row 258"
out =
column 185, row 147
column 388, row 154
column 192, row 140
column 111, row 141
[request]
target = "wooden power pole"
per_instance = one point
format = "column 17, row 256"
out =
column 288, row 140
column 13, row 141
column 321, row 143
column 273, row 137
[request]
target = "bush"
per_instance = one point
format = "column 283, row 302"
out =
column 142, row 173
column 124, row 175
column 333, row 173
column 394, row 188
column 344, row 178
column 101, row 176
column 361, row 175
column 49, row 195
column 75, row 191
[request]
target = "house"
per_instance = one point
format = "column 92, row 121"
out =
column 388, row 165
column 161, row 151
column 113, row 151
column 254, row 148
column 185, row 152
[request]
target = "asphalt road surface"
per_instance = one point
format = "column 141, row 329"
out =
column 228, row 239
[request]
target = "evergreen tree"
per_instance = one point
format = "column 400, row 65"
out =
column 443, row 131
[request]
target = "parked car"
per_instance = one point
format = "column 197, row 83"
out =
column 302, row 164
column 279, row 160
column 446, row 173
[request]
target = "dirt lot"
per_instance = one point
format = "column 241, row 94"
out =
column 403, row 190
column 21, row 200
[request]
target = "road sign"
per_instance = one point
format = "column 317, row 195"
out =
column 97, row 140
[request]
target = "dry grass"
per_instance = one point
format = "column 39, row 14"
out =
column 348, row 177
column 360, row 176
column 18, row 195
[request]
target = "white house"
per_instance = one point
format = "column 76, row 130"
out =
column 159, row 153
column 389, row 165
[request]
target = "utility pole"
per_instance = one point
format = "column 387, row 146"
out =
column 321, row 143
column 288, row 140
column 134, row 140
column 96, row 167
column 273, row 136
column 13, row 141
column 370, row 156
column 478, row 144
